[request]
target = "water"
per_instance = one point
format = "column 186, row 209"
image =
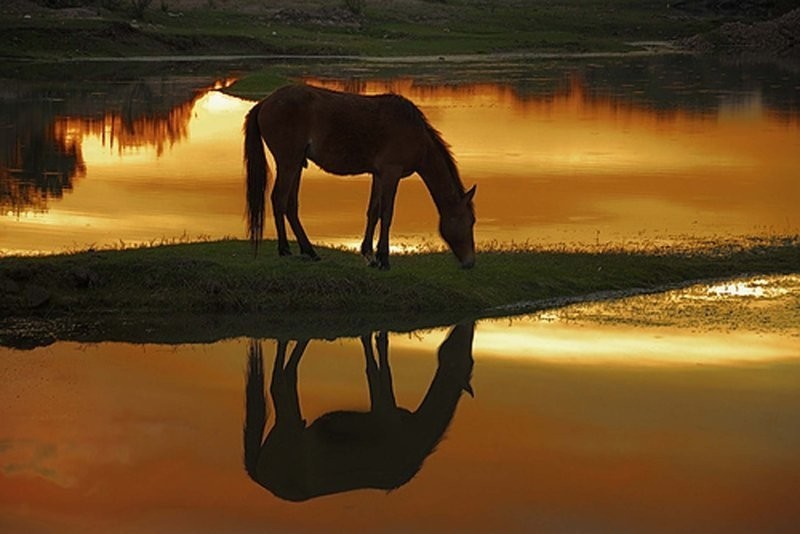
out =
column 623, row 152
column 664, row 412
column 583, row 419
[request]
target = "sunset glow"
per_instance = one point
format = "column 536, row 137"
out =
column 583, row 169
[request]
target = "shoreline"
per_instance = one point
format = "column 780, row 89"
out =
column 649, row 49
column 184, row 292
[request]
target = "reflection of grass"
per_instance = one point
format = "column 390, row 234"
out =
column 224, row 276
column 257, row 85
column 756, row 304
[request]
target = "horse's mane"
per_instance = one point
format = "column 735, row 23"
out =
column 444, row 150
column 441, row 146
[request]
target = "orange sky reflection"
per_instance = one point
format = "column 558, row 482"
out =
column 568, row 168
column 146, row 437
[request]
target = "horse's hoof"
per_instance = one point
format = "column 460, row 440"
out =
column 371, row 260
column 384, row 266
column 283, row 253
column 312, row 257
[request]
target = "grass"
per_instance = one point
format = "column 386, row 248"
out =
column 172, row 286
column 383, row 29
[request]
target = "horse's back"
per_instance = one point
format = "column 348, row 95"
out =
column 344, row 133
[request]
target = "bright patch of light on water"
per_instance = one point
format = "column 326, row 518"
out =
column 564, row 342
column 217, row 102
column 756, row 288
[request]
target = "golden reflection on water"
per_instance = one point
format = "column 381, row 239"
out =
column 114, row 435
column 577, row 167
column 732, row 323
column 570, row 167
column 625, row 346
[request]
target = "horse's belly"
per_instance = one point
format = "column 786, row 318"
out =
column 341, row 160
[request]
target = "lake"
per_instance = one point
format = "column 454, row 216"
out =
column 597, row 417
column 619, row 152
column 669, row 412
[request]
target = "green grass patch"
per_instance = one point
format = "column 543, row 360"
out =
column 257, row 85
column 402, row 28
column 108, row 289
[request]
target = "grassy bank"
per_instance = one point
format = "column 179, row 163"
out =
column 167, row 289
column 402, row 27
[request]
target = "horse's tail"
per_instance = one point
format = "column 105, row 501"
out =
column 255, row 409
column 257, row 175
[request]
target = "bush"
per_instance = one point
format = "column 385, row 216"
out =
column 139, row 7
column 356, row 7
column 61, row 4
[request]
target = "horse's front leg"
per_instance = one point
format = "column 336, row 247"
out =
column 388, row 402
column 373, row 212
column 373, row 380
column 388, row 192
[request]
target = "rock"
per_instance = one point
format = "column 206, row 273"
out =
column 8, row 287
column 82, row 278
column 35, row 297
column 776, row 37
column 21, row 274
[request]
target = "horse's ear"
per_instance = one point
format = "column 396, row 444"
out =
column 471, row 193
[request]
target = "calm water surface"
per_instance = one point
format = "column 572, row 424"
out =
column 621, row 151
column 586, row 419
column 663, row 412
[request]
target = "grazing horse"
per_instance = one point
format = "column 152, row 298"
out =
column 347, row 450
column 343, row 133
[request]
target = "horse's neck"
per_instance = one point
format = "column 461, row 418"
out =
column 445, row 189
column 437, row 409
column 452, row 378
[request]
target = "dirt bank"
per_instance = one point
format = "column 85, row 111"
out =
column 778, row 37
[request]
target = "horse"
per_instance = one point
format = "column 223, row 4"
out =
column 386, row 136
column 347, row 450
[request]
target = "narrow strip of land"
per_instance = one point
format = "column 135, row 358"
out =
column 161, row 291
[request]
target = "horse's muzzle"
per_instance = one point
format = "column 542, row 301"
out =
column 468, row 264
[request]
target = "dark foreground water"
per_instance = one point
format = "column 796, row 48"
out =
column 599, row 417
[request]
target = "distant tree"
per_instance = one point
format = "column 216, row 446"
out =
column 59, row 4
column 356, row 7
column 139, row 7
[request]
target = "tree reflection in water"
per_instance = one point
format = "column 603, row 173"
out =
column 346, row 450
column 41, row 133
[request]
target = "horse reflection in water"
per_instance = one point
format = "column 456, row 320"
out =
column 346, row 450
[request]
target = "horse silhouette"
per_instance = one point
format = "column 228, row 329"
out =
column 346, row 450
column 386, row 136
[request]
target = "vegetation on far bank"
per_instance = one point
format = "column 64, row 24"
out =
column 110, row 289
column 119, row 28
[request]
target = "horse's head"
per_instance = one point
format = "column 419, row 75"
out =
column 456, row 225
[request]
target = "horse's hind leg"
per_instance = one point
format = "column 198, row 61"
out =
column 285, row 207
column 293, row 215
column 283, row 385
column 280, row 201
